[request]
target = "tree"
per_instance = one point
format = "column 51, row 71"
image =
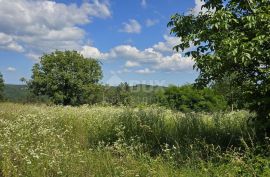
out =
column 124, row 95
column 231, row 37
column 1, row 87
column 67, row 78
column 120, row 95
column 231, row 92
column 188, row 98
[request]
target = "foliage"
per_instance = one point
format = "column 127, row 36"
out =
column 67, row 78
column 232, row 37
column 187, row 99
column 143, row 94
column 1, row 87
column 119, row 141
column 230, row 91
column 120, row 95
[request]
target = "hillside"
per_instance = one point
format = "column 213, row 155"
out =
column 15, row 93
column 139, row 93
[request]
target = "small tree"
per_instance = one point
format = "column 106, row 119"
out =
column 1, row 87
column 67, row 78
column 231, row 38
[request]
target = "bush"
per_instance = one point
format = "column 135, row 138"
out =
column 187, row 99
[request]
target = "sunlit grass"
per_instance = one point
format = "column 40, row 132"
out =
column 119, row 141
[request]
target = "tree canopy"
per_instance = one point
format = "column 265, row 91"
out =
column 187, row 98
column 231, row 37
column 67, row 78
column 1, row 87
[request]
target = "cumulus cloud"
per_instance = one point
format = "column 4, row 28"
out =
column 92, row 52
column 11, row 69
column 159, row 57
column 168, row 44
column 132, row 26
column 130, row 64
column 8, row 43
column 174, row 62
column 144, row 71
column 35, row 27
column 151, row 22
column 98, row 9
column 125, row 70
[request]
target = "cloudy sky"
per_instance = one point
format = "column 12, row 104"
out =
column 130, row 38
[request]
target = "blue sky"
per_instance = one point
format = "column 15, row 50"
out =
column 130, row 38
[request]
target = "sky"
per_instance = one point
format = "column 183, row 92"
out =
column 129, row 37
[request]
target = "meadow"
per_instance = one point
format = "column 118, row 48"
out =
column 40, row 140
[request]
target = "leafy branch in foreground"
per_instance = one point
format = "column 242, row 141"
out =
column 231, row 37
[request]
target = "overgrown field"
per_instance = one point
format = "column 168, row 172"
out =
column 118, row 141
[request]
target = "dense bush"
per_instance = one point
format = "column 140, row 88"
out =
column 187, row 98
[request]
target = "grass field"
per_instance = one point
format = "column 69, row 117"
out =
column 38, row 140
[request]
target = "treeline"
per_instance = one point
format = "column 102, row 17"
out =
column 185, row 98
column 67, row 78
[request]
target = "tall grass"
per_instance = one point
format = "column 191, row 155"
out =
column 121, row 141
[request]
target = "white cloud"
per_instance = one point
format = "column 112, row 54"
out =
column 92, row 52
column 158, row 57
column 133, row 26
column 39, row 26
column 143, row 3
column 198, row 8
column 144, row 71
column 98, row 9
column 130, row 64
column 168, row 44
column 8, row 43
column 174, row 63
column 11, row 69
column 33, row 56
column 151, row 22
column 125, row 70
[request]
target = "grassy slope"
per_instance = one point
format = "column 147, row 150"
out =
column 109, row 141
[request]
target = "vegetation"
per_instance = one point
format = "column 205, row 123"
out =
column 118, row 141
column 120, row 95
column 187, row 99
column 145, row 130
column 1, row 86
column 67, row 78
column 15, row 93
column 231, row 38
column 232, row 93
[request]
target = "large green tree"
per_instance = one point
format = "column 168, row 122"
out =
column 66, row 77
column 1, row 87
column 231, row 37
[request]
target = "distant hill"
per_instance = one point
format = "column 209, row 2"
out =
column 140, row 93
column 15, row 93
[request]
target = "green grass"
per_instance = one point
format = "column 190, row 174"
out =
column 118, row 141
